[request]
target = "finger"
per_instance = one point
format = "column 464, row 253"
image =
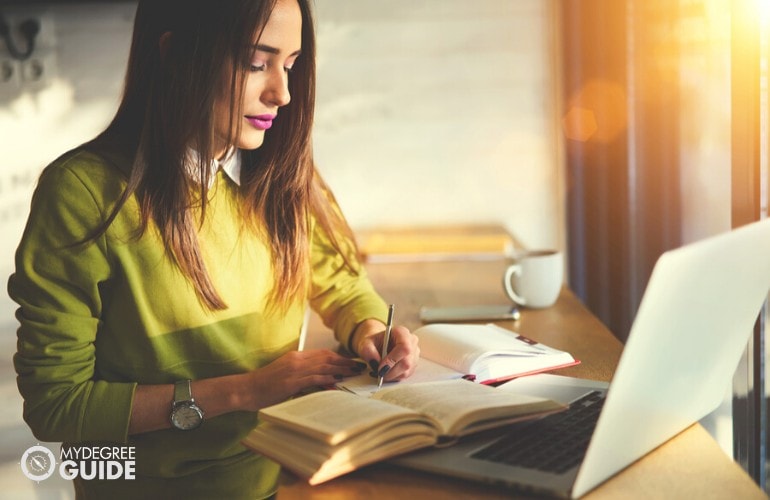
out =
column 331, row 358
column 369, row 352
column 386, row 364
column 402, row 341
column 340, row 368
column 317, row 380
column 399, row 336
column 371, row 347
column 398, row 367
column 326, row 375
column 402, row 358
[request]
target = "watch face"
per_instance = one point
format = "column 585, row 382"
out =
column 186, row 417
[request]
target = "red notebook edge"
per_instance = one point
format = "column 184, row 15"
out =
column 532, row 372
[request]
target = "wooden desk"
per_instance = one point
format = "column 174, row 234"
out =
column 691, row 465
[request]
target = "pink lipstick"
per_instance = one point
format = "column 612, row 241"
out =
column 261, row 122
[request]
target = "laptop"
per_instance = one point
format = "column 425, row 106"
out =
column 693, row 324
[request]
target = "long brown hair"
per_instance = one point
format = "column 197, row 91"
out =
column 167, row 107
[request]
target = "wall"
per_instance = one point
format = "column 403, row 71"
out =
column 40, row 121
column 440, row 111
column 429, row 112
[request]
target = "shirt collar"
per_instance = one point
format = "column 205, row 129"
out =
column 230, row 165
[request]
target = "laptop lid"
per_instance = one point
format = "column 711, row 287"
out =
column 692, row 326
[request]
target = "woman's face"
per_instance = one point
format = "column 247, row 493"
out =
column 266, row 81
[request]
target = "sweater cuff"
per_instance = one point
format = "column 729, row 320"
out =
column 108, row 422
column 374, row 308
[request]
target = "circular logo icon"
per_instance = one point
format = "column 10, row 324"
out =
column 38, row 463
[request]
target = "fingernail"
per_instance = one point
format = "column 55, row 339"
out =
column 373, row 374
column 338, row 376
column 384, row 371
column 374, row 365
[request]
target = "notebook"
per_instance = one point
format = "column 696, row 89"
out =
column 692, row 326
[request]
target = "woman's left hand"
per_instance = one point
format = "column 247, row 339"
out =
column 403, row 349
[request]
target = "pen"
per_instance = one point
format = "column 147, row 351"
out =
column 385, row 341
column 303, row 330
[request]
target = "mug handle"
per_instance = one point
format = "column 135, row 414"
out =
column 512, row 269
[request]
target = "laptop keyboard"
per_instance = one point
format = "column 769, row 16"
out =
column 555, row 443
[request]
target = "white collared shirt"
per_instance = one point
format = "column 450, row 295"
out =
column 230, row 165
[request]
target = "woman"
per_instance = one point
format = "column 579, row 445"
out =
column 165, row 267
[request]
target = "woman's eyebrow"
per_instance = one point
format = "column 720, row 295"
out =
column 273, row 50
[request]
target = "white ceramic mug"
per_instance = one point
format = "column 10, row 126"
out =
column 535, row 278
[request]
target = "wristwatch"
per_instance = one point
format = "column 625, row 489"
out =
column 185, row 414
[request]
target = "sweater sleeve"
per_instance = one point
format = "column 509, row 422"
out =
column 342, row 297
column 57, row 284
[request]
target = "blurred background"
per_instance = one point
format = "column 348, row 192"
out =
column 610, row 129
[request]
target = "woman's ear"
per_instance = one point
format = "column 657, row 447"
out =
column 163, row 42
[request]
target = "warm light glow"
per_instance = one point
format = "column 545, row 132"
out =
column 596, row 112
column 763, row 8
column 579, row 124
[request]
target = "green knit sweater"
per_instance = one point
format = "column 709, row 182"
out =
column 97, row 320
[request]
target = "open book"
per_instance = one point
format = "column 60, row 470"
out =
column 326, row 434
column 487, row 353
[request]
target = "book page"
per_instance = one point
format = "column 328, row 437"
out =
column 332, row 416
column 319, row 461
column 465, row 347
column 457, row 403
column 426, row 371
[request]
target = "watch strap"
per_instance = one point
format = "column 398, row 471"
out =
column 183, row 391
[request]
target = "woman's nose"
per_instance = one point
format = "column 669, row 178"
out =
column 277, row 90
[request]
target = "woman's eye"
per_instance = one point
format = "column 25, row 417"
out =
column 257, row 67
